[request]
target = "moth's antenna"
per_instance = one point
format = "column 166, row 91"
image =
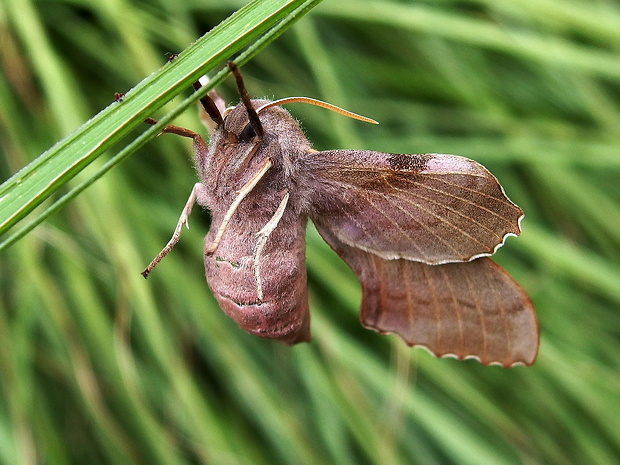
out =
column 210, row 106
column 245, row 98
column 318, row 103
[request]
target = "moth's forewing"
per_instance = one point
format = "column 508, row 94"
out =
column 431, row 208
column 472, row 309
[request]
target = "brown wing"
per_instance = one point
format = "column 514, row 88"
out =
column 431, row 208
column 467, row 310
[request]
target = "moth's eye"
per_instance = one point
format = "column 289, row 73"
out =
column 247, row 133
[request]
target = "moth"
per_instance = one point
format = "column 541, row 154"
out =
column 417, row 230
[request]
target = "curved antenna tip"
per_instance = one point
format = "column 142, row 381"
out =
column 318, row 103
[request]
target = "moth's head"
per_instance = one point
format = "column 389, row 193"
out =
column 255, row 120
column 275, row 122
column 250, row 121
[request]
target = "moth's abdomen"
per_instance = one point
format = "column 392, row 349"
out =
column 265, row 294
column 270, row 320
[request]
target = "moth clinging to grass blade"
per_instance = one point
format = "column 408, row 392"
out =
column 417, row 231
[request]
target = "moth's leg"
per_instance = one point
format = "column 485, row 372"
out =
column 172, row 129
column 262, row 236
column 245, row 190
column 212, row 105
column 183, row 220
column 199, row 143
column 247, row 103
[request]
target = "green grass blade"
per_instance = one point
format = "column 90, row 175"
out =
column 32, row 185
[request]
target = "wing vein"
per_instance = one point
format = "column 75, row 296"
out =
column 465, row 200
column 439, row 217
column 483, row 327
column 435, row 202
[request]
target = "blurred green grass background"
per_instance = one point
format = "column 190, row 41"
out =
column 99, row 366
